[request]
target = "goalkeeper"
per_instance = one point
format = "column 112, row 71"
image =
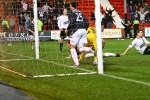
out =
column 91, row 38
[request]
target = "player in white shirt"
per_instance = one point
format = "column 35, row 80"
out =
column 63, row 23
column 140, row 43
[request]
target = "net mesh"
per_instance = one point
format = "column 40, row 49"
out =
column 17, row 54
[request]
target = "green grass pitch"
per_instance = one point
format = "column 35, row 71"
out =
column 125, row 77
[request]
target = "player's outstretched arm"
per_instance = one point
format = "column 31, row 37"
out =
column 126, row 51
column 31, row 31
column 148, row 44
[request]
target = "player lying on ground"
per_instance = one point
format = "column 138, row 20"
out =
column 140, row 43
column 91, row 38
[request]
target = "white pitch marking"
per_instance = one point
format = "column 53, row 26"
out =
column 125, row 79
column 112, row 76
column 14, row 59
column 89, row 71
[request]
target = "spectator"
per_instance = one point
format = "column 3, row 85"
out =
column 18, row 7
column 127, row 29
column 104, row 20
column 21, row 22
column 138, row 6
column 109, row 11
column 39, row 5
column 41, row 13
column 136, row 26
column 12, row 22
column 131, row 3
column 5, row 25
column 142, row 2
column 27, row 21
column 146, row 7
column 136, row 14
column 30, row 11
column 6, row 5
column 47, row 15
column 142, row 16
column 131, row 11
column 55, row 11
column 58, row 7
column 55, row 20
column 12, row 7
column 24, row 5
column 110, row 20
column 147, row 17
column 46, row 6
column 48, row 24
column 40, row 25
column 64, row 4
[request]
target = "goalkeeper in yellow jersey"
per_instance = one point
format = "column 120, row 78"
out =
column 91, row 38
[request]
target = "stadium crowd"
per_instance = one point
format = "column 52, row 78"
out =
column 48, row 13
column 139, row 9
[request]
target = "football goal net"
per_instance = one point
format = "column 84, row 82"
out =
column 37, row 53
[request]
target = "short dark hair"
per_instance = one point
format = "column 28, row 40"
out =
column 74, row 4
column 68, row 42
column 138, row 30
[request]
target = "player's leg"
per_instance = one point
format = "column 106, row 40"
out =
column 74, row 40
column 62, row 36
column 147, row 50
column 31, row 38
column 74, row 55
column 95, row 54
column 82, row 55
column 107, row 54
column 83, row 41
column 88, row 55
column 61, row 44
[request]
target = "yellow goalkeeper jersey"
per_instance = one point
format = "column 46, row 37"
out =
column 91, row 37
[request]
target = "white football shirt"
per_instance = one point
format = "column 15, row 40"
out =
column 63, row 22
column 140, row 44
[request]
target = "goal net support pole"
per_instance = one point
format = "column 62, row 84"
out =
column 99, row 36
column 36, row 30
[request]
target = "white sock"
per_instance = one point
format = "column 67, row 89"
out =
column 85, row 49
column 89, row 55
column 74, row 56
column 109, row 54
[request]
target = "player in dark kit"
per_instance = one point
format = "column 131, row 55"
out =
column 31, row 32
column 78, row 38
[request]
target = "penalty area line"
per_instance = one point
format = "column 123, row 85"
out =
column 126, row 79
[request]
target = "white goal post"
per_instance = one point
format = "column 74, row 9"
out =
column 36, row 29
column 99, row 37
